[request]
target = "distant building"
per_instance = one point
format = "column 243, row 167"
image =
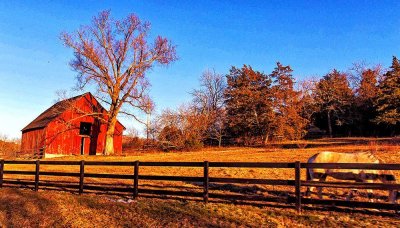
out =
column 314, row 132
column 70, row 127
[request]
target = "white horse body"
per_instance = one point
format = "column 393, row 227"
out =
column 358, row 175
column 344, row 174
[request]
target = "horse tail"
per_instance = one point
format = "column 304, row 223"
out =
column 308, row 170
column 308, row 174
column 309, row 177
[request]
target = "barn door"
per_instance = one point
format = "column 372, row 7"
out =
column 85, row 146
column 82, row 145
column 84, row 132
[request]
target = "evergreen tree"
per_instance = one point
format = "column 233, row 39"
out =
column 388, row 99
column 288, row 123
column 248, row 104
column 334, row 98
column 364, row 109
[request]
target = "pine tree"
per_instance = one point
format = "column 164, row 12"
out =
column 334, row 98
column 366, row 94
column 248, row 104
column 388, row 99
column 288, row 122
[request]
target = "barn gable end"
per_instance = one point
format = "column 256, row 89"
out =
column 73, row 126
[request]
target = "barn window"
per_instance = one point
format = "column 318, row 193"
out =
column 85, row 128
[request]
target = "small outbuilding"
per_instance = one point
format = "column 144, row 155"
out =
column 75, row 126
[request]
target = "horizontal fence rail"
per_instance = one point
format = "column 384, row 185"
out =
column 367, row 166
column 351, row 185
column 204, row 181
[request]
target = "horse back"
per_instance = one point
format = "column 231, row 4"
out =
column 343, row 174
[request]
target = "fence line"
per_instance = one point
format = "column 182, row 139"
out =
column 297, row 183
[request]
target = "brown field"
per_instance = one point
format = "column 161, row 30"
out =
column 22, row 207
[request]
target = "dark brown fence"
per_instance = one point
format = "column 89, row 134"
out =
column 297, row 182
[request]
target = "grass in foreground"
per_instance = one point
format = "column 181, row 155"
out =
column 25, row 208
column 49, row 208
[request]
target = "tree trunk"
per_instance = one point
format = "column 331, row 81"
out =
column 266, row 139
column 109, row 146
column 329, row 123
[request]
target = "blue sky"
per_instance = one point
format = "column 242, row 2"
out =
column 311, row 36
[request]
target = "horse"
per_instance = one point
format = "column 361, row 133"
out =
column 358, row 175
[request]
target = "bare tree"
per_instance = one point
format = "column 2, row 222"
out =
column 114, row 56
column 209, row 100
column 183, row 128
column 9, row 147
column 210, row 96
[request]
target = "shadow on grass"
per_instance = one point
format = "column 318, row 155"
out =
column 363, row 211
column 24, row 208
column 221, row 193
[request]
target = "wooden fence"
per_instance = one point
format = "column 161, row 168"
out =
column 297, row 182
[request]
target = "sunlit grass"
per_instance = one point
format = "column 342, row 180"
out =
column 24, row 208
column 169, row 212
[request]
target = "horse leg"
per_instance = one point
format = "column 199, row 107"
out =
column 322, row 179
column 370, row 192
column 310, row 189
column 309, row 178
column 350, row 195
column 352, row 191
column 392, row 197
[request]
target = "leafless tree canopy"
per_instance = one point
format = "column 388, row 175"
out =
column 114, row 56
column 182, row 129
column 209, row 100
column 210, row 96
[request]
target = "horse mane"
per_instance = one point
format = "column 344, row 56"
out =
column 381, row 160
column 372, row 156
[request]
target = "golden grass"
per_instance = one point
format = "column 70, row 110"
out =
column 24, row 208
column 65, row 209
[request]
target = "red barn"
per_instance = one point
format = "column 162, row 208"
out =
column 70, row 127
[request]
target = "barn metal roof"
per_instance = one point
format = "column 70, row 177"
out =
column 54, row 111
column 50, row 114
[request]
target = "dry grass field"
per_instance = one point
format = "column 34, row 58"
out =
column 23, row 207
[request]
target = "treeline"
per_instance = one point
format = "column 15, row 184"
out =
column 249, row 107
column 8, row 147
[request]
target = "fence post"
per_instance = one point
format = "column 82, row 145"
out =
column 37, row 163
column 206, row 181
column 81, row 176
column 297, row 166
column 136, row 180
column 1, row 172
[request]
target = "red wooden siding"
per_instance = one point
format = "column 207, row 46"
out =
column 33, row 140
column 62, row 133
